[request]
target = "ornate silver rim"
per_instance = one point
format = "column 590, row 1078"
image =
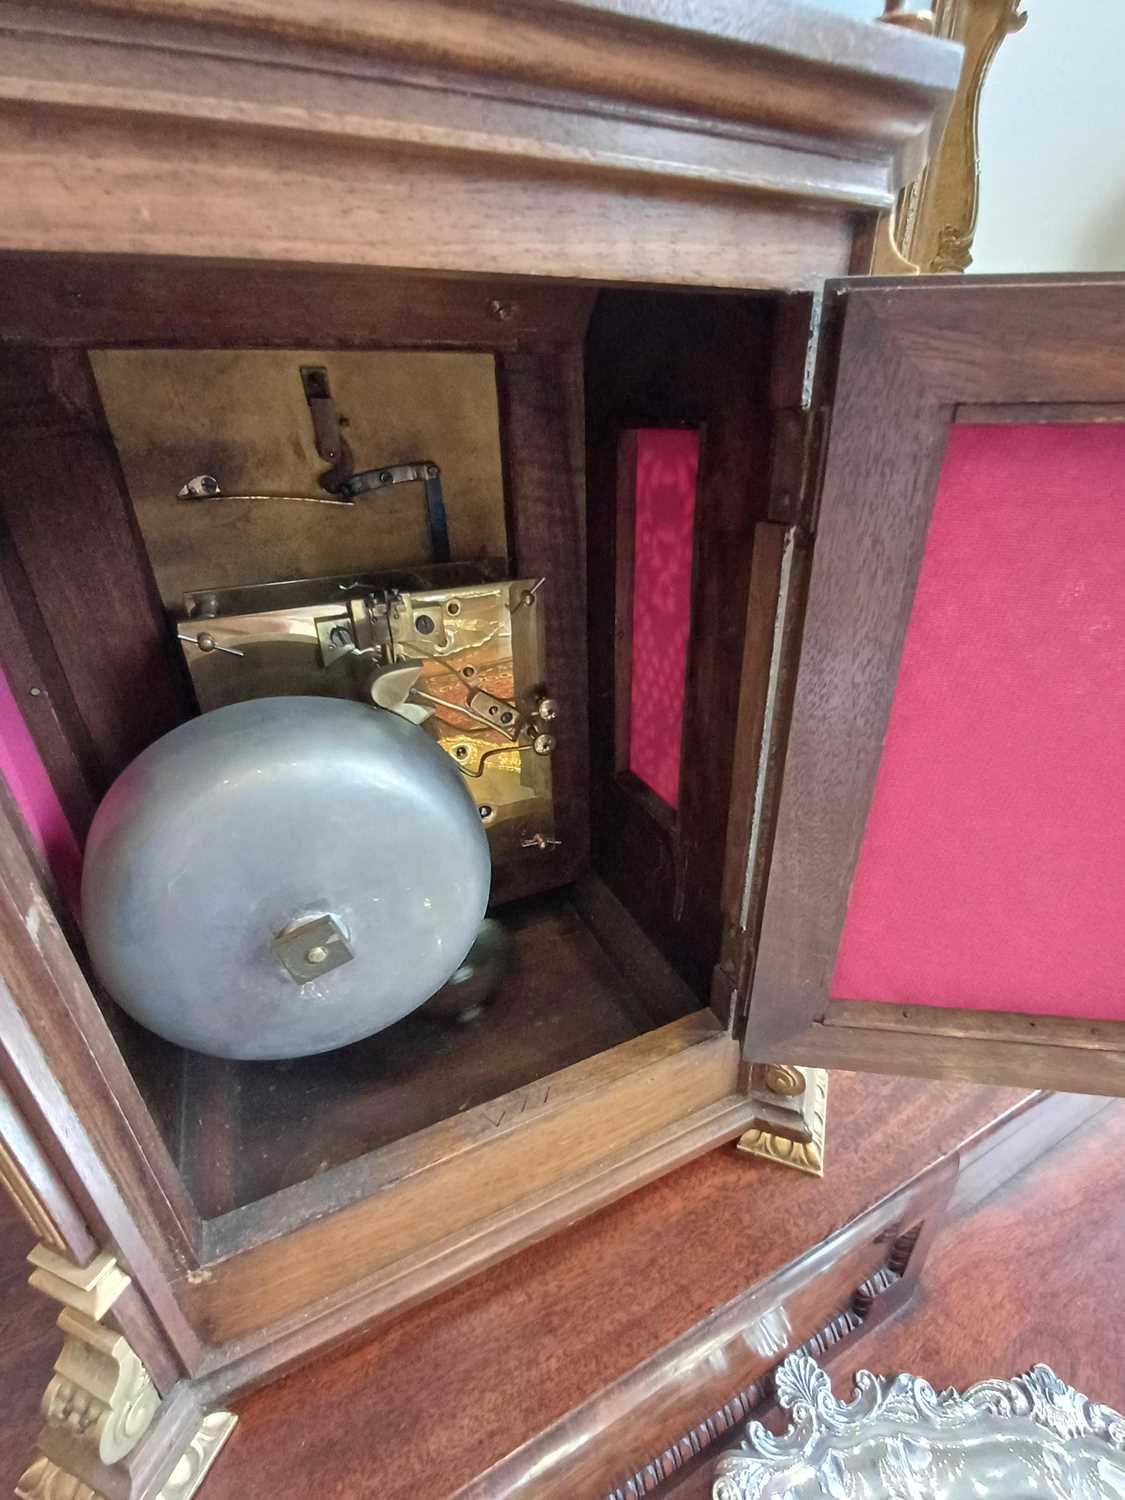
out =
column 900, row 1438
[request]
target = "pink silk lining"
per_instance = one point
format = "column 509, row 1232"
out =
column 992, row 870
column 664, row 524
column 35, row 796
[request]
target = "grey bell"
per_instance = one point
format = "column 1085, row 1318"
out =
column 283, row 876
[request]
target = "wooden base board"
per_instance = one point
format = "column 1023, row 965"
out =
column 282, row 1287
column 250, row 1361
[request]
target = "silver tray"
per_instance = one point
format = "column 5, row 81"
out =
column 899, row 1439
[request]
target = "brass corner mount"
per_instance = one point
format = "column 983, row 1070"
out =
column 791, row 1123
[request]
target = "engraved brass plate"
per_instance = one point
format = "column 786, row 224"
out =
column 482, row 673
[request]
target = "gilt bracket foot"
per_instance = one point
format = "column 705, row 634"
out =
column 101, row 1399
column 791, row 1122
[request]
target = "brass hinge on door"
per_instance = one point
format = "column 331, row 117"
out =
column 796, row 462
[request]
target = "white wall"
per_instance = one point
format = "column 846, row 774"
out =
column 1052, row 131
column 1053, row 143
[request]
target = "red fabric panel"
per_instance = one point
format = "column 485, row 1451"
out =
column 667, row 466
column 31, row 787
column 992, row 870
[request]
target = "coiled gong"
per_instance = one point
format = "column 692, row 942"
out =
column 283, row 876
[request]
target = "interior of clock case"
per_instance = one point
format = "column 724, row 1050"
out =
column 601, row 458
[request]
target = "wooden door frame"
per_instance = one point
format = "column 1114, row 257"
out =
column 912, row 355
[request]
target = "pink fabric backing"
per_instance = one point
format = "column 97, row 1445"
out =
column 667, row 468
column 35, row 797
column 992, row 870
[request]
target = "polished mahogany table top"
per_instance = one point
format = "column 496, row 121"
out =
column 1030, row 1276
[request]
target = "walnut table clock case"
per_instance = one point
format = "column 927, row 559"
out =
column 628, row 509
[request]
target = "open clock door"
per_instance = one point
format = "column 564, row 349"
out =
column 946, row 894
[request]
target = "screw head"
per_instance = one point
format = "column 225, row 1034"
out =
column 453, row 607
column 500, row 311
column 485, row 812
column 316, row 955
column 205, row 641
column 424, row 624
column 543, row 744
column 461, row 751
column 547, row 709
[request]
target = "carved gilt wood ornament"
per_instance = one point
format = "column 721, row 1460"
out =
column 933, row 226
column 801, row 1143
column 101, row 1400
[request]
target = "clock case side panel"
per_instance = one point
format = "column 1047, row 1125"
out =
column 911, row 356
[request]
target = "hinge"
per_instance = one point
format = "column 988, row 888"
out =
column 800, row 416
column 791, row 579
column 796, row 461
